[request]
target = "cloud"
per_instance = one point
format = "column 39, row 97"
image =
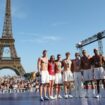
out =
column 35, row 38
column 59, row 23
column 51, row 38
column 47, row 39
column 17, row 12
column 28, row 34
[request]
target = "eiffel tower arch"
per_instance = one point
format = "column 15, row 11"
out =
column 8, row 55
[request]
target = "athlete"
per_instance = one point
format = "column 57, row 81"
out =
column 44, row 75
column 86, row 69
column 58, row 76
column 99, row 73
column 67, row 75
column 51, row 69
column 76, row 68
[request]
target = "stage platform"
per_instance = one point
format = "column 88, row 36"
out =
column 33, row 99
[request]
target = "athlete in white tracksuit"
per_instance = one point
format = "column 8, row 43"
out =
column 77, row 74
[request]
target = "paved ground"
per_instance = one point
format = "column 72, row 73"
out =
column 33, row 99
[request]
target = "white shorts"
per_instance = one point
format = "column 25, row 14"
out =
column 99, row 73
column 88, row 74
column 51, row 77
column 58, row 78
column 44, row 77
column 68, row 76
column 77, row 76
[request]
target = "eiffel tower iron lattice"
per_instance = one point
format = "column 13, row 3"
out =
column 12, row 62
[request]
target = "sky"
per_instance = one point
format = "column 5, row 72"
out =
column 55, row 25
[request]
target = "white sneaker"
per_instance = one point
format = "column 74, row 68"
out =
column 97, row 96
column 70, row 96
column 59, row 96
column 46, row 98
column 66, row 96
column 55, row 97
column 41, row 99
column 52, row 98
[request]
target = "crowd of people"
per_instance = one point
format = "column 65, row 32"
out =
column 17, row 84
column 58, row 72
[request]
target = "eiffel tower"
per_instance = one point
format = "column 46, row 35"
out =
column 8, row 55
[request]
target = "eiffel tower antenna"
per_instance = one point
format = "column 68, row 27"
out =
column 7, row 40
column 7, row 28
